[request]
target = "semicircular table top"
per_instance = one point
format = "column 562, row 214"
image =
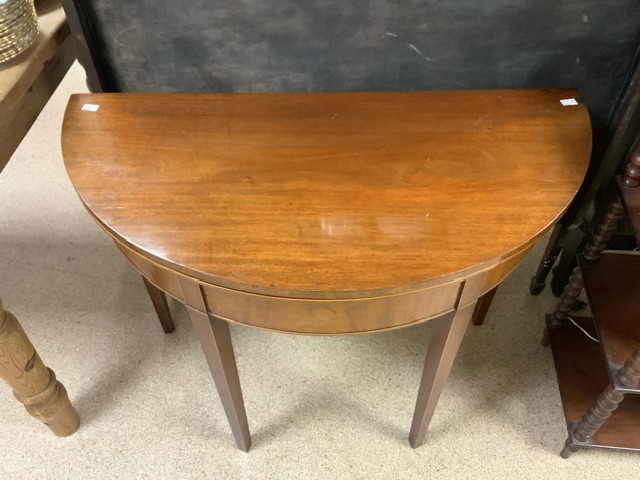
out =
column 352, row 194
column 327, row 213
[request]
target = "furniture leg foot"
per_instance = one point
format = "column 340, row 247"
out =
column 536, row 286
column 33, row 384
column 568, row 449
column 215, row 339
column 159, row 300
column 445, row 340
column 52, row 407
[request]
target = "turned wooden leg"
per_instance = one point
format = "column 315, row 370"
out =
column 216, row 342
column 592, row 253
column 33, row 384
column 607, row 402
column 443, row 347
column 571, row 293
column 159, row 300
column 551, row 252
column 605, row 230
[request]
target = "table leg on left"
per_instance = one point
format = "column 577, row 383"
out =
column 443, row 347
column 33, row 384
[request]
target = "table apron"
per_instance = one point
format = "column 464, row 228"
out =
column 323, row 316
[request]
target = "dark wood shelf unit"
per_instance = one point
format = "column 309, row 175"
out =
column 599, row 380
column 582, row 376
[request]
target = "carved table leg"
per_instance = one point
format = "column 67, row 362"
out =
column 159, row 300
column 33, row 384
column 216, row 342
column 607, row 402
column 445, row 340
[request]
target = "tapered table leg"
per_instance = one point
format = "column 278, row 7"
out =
column 216, row 342
column 159, row 300
column 33, row 384
column 482, row 307
column 445, row 340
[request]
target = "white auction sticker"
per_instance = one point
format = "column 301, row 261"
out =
column 569, row 101
column 90, row 107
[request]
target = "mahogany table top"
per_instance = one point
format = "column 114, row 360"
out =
column 349, row 194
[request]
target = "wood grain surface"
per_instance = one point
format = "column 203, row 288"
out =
column 341, row 195
column 28, row 80
column 33, row 384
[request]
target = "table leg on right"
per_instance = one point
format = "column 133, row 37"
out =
column 216, row 342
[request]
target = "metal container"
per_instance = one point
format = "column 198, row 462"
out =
column 18, row 27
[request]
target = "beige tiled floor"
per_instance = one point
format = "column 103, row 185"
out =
column 318, row 407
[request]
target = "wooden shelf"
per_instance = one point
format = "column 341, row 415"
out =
column 27, row 81
column 582, row 376
column 611, row 284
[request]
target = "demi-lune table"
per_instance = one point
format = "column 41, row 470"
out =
column 327, row 213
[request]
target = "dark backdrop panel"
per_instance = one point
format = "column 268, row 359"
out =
column 350, row 45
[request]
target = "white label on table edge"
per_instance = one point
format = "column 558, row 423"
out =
column 90, row 107
column 568, row 102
